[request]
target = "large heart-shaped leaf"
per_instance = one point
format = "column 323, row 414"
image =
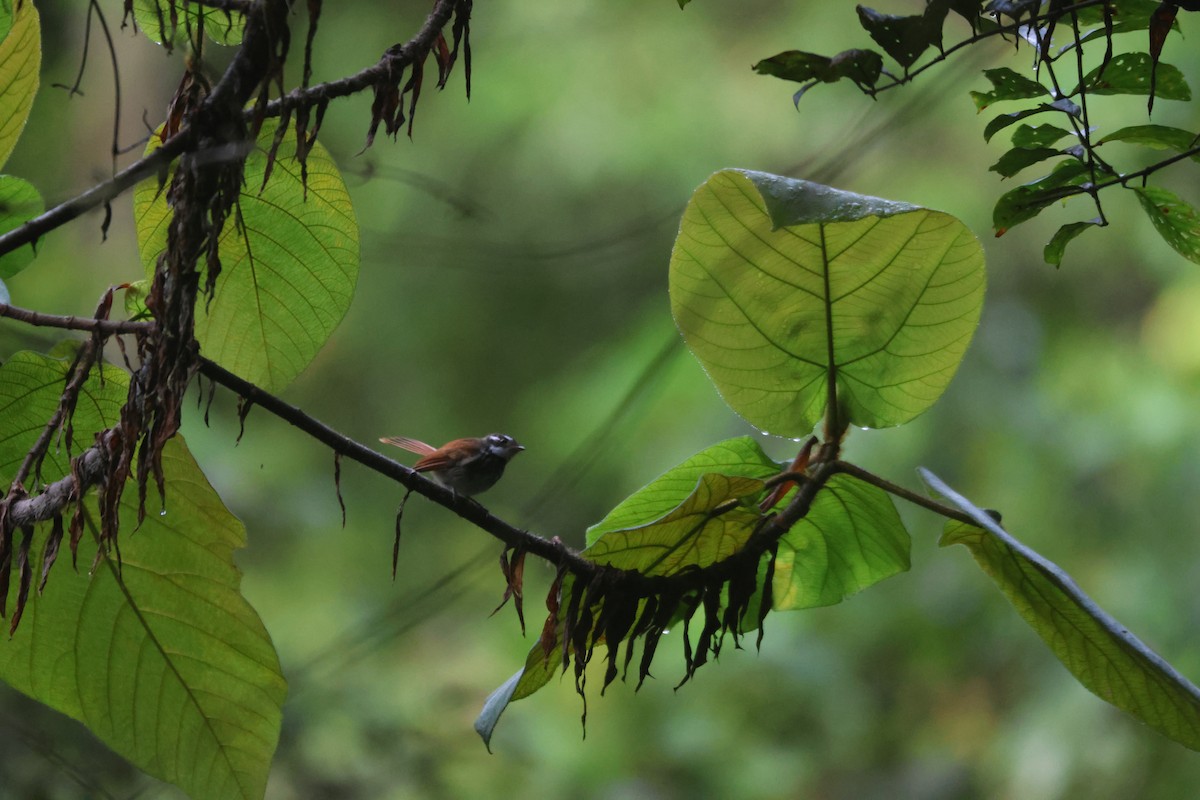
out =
column 287, row 274
column 785, row 289
column 1099, row 651
column 157, row 653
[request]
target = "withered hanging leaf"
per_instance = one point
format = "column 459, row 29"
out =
column 514, row 579
column 337, row 484
column 50, row 553
column 24, row 578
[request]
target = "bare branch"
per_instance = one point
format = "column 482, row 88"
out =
column 102, row 326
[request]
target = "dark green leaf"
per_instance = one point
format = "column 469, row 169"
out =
column 1027, row 201
column 1175, row 220
column 1002, row 121
column 863, row 67
column 1019, row 158
column 19, row 203
column 1127, row 14
column 1007, row 85
column 1035, row 136
column 850, row 539
column 1056, row 247
column 903, row 38
column 781, row 286
column 1100, row 652
column 1159, row 137
column 1129, row 73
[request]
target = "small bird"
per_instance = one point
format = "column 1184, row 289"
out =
column 464, row 466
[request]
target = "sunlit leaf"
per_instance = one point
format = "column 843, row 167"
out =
column 286, row 279
column 176, row 20
column 159, row 656
column 690, row 535
column 135, row 301
column 19, row 203
column 1007, row 85
column 851, row 538
column 781, row 287
column 1175, row 219
column 1129, row 73
column 1100, row 652
column 1027, row 201
column 741, row 456
column 20, row 62
column 1057, row 246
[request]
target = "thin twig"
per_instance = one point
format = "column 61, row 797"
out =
column 91, row 324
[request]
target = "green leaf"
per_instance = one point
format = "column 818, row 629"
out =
column 1127, row 14
column 741, row 457
column 19, row 203
column 1007, row 85
column 904, row 38
column 20, row 62
column 1056, row 247
column 161, row 20
column 1158, row 137
column 851, row 538
column 159, row 656
column 286, row 279
column 688, row 537
column 1175, row 220
column 863, row 67
column 1019, row 158
column 1002, row 121
column 1027, row 201
column 781, row 287
column 135, row 301
column 1100, row 652
column 1035, row 136
column 1129, row 73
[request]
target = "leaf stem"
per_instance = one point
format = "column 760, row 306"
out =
column 863, row 475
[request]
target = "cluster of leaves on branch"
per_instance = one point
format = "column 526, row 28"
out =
column 808, row 307
column 1074, row 56
column 250, row 248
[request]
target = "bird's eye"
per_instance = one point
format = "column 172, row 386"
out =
column 498, row 439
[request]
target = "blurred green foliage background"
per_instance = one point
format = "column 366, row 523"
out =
column 514, row 279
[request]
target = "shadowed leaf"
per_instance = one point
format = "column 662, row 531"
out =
column 1100, row 652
